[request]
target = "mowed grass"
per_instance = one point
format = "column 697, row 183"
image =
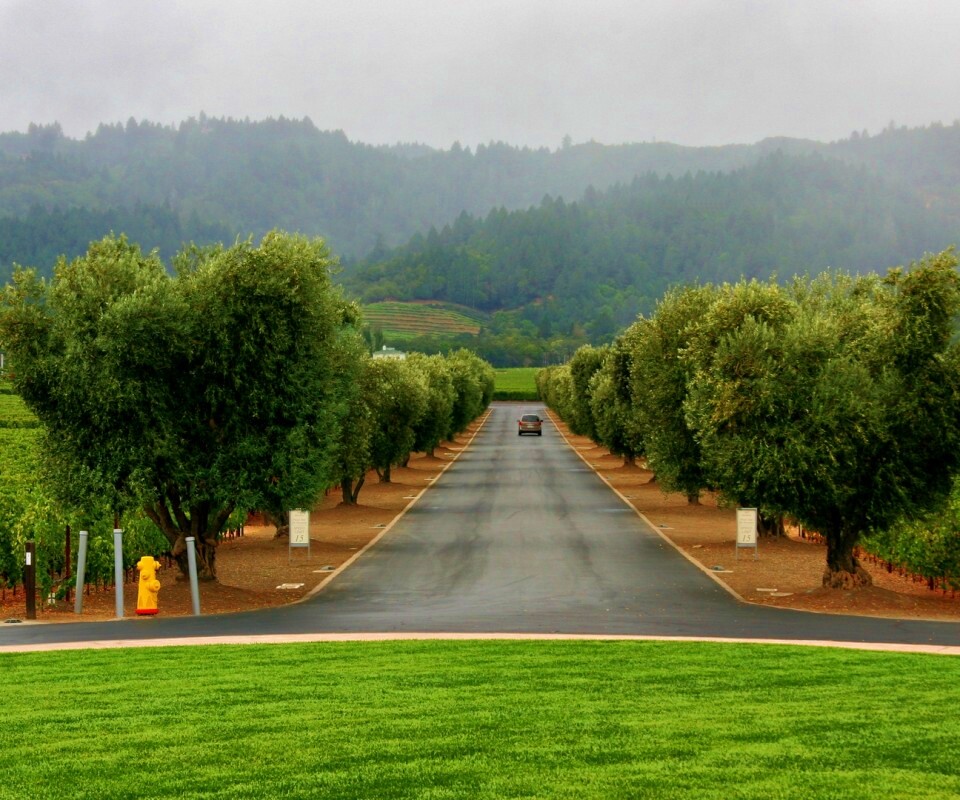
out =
column 516, row 379
column 14, row 413
column 404, row 321
column 480, row 720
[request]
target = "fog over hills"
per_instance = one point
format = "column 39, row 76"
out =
column 248, row 177
column 573, row 241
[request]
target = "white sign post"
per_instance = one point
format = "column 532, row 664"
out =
column 747, row 530
column 299, row 531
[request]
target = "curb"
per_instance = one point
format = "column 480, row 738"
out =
column 307, row 638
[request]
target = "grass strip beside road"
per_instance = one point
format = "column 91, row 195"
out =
column 480, row 720
column 515, row 383
column 521, row 379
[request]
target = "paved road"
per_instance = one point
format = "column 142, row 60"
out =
column 518, row 535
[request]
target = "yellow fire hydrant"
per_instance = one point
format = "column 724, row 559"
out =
column 149, row 585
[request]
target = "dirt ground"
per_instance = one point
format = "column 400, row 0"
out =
column 252, row 568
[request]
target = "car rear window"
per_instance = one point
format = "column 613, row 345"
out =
column 530, row 418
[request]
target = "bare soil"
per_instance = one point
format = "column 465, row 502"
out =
column 251, row 568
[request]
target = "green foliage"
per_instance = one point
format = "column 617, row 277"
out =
column 616, row 426
column 399, row 402
column 835, row 402
column 481, row 720
column 401, row 322
column 515, row 379
column 356, row 416
column 401, row 406
column 434, row 424
column 14, row 414
column 555, row 386
column 19, row 492
column 586, row 362
column 516, row 383
column 43, row 235
column 251, row 177
column 561, row 274
column 188, row 396
column 596, row 263
column 29, row 510
column 928, row 546
column 836, row 406
column 473, row 386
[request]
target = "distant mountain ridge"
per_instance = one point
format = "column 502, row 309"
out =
column 246, row 177
column 597, row 262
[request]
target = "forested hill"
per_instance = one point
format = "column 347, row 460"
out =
column 596, row 262
column 227, row 177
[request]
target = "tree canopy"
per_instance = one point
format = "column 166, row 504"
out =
column 189, row 395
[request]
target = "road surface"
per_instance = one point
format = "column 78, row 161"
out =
column 519, row 535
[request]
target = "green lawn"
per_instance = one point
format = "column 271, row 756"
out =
column 515, row 383
column 480, row 719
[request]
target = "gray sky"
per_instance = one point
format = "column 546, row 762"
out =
column 521, row 71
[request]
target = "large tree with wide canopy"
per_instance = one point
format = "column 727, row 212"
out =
column 191, row 395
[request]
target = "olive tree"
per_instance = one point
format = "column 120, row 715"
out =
column 398, row 397
column 556, row 388
column 659, row 382
column 843, row 411
column 188, row 396
column 473, row 383
column 434, row 424
column 615, row 424
column 355, row 435
column 583, row 365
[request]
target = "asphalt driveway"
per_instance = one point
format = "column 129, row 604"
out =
column 517, row 536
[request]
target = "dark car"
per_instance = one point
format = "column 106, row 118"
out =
column 529, row 423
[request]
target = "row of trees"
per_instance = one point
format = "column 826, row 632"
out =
column 242, row 381
column 834, row 402
column 42, row 235
column 400, row 407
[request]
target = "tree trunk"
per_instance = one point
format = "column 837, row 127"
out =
column 206, row 551
column 693, row 498
column 346, row 490
column 385, row 475
column 771, row 527
column 200, row 521
column 843, row 569
column 629, row 461
column 351, row 490
column 281, row 523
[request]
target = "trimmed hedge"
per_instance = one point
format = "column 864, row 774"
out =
column 516, row 394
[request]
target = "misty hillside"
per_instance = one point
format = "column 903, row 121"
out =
column 599, row 261
column 222, row 177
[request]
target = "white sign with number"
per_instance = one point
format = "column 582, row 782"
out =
column 299, row 530
column 747, row 529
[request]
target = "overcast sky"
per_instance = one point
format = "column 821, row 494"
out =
column 522, row 71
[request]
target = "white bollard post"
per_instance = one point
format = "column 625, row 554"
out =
column 192, row 566
column 81, row 573
column 118, row 569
